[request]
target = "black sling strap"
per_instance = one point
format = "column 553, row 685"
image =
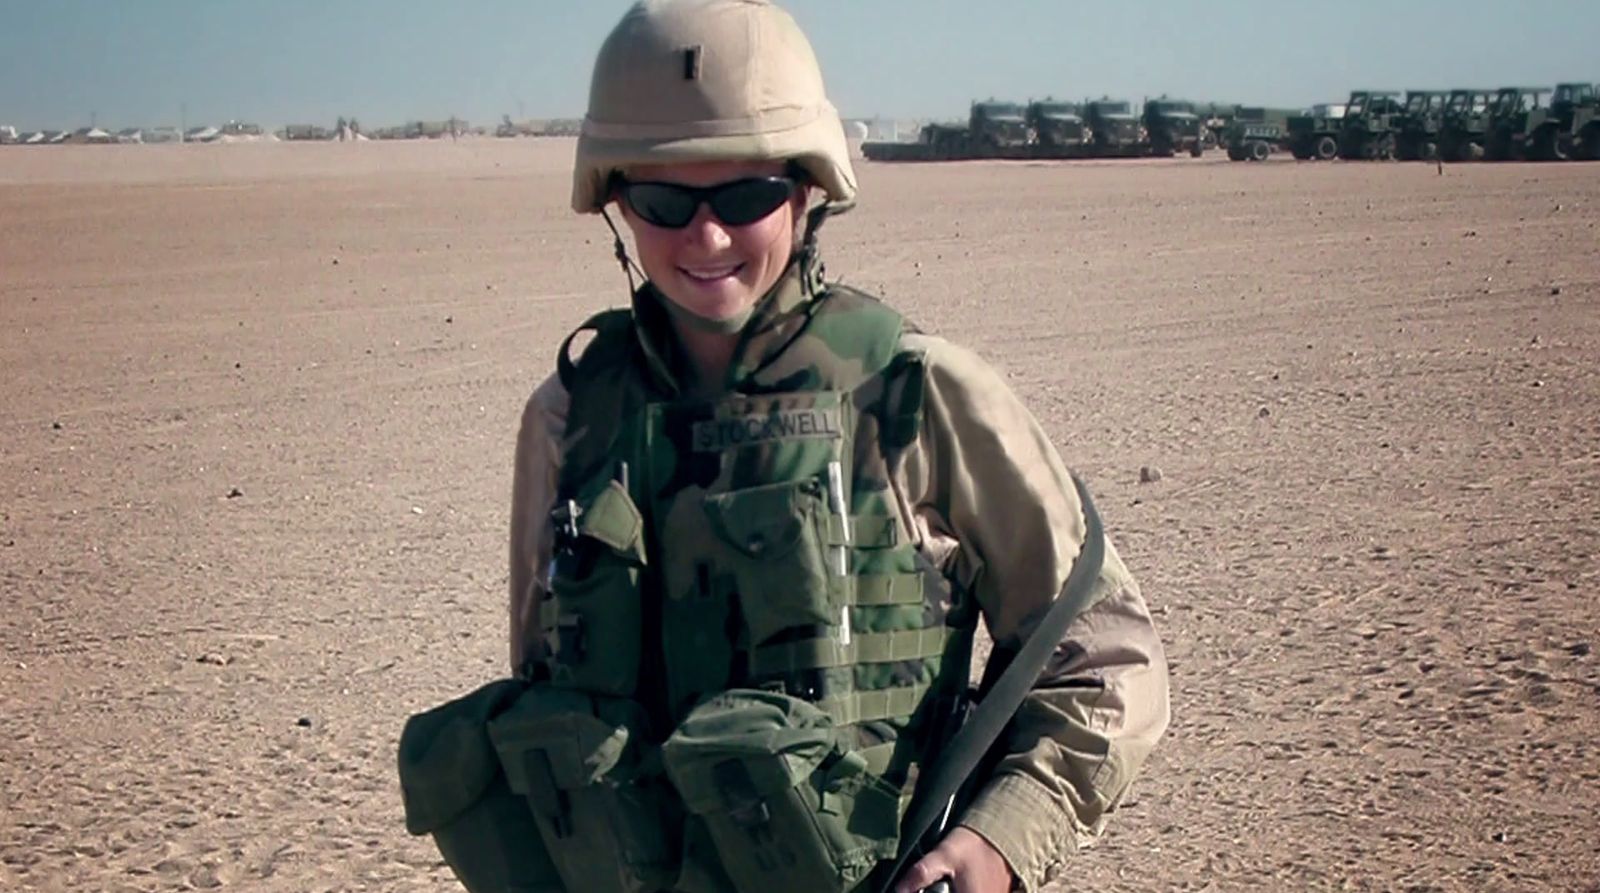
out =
column 966, row 751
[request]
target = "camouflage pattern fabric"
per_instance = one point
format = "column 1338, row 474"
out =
column 962, row 494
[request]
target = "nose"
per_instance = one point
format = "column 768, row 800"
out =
column 705, row 232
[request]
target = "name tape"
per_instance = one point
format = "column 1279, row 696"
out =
column 717, row 435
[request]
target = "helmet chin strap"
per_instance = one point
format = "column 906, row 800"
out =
column 621, row 250
column 810, row 260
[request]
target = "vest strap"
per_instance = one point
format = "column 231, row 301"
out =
column 880, row 590
column 864, row 648
column 873, row 706
column 865, row 531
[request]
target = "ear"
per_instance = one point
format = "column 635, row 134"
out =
column 613, row 191
column 800, row 202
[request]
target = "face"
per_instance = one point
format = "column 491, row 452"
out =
column 714, row 270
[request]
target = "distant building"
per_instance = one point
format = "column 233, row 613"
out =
column 8, row 135
column 241, row 128
column 161, row 135
column 130, row 135
column 204, row 134
column 56, row 137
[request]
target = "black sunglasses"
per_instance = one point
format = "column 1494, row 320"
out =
column 735, row 203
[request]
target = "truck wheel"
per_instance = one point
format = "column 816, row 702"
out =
column 1497, row 147
column 1259, row 150
column 1547, row 146
column 1326, row 149
column 1589, row 143
column 1197, row 149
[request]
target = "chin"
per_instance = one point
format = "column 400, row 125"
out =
column 721, row 305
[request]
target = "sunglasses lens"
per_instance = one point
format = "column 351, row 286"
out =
column 662, row 204
column 739, row 203
column 746, row 201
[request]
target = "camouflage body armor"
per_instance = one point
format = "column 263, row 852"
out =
column 748, row 655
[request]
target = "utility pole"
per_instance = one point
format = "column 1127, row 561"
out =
column 183, row 122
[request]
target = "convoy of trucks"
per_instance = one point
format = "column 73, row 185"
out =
column 1463, row 124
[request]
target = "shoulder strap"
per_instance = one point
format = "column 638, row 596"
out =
column 606, row 325
column 963, row 753
column 597, row 384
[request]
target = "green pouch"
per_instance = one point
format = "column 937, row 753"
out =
column 773, row 546
column 789, row 807
column 594, row 616
column 582, row 764
column 453, row 789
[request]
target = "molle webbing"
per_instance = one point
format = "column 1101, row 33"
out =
column 777, row 550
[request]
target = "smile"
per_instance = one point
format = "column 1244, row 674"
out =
column 710, row 274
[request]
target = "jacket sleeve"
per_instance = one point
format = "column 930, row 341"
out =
column 993, row 501
column 533, row 493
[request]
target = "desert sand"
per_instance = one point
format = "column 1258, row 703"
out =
column 255, row 442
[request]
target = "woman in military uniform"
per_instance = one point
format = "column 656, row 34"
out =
column 755, row 520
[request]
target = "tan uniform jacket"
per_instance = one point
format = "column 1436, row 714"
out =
column 993, row 503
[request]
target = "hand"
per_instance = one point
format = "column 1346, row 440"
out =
column 969, row 861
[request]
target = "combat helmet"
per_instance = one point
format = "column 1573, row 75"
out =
column 708, row 80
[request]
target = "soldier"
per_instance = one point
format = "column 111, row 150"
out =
column 755, row 521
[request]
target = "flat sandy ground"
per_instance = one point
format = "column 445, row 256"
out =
column 1373, row 393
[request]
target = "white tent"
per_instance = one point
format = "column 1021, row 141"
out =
column 91, row 135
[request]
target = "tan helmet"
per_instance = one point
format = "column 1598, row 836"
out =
column 708, row 80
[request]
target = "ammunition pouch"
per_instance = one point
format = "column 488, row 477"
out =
column 787, row 804
column 593, row 616
column 454, row 790
column 598, row 802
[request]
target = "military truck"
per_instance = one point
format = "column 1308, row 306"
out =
column 1113, row 128
column 1172, row 126
column 1315, row 134
column 1569, row 128
column 1056, row 124
column 1255, row 132
column 1214, row 119
column 1510, row 115
column 1417, row 127
column 1369, row 125
column 994, row 129
column 1464, row 124
column 1253, row 140
column 996, row 124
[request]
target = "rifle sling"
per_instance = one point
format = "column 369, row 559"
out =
column 966, row 751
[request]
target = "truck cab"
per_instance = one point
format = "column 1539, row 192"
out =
column 1172, row 126
column 1511, row 113
column 1112, row 124
column 1056, row 123
column 1417, row 125
column 994, row 123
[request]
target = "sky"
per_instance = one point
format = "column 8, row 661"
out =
column 117, row 63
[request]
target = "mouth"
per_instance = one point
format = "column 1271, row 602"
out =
column 711, row 274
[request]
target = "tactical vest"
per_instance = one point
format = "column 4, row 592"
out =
column 748, row 655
